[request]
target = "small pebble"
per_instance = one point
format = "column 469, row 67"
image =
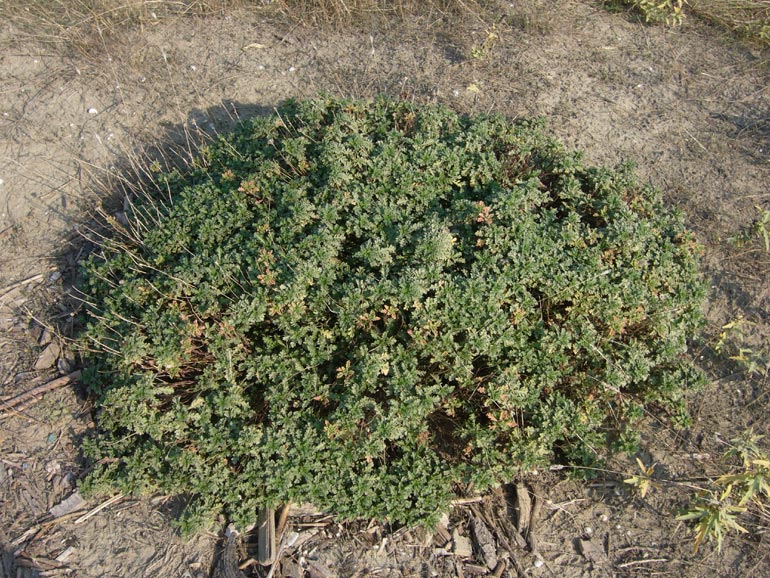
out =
column 68, row 481
column 538, row 563
column 92, row 111
column 65, row 554
column 64, row 366
column 48, row 357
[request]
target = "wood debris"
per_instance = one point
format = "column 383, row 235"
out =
column 48, row 357
column 11, row 288
column 227, row 566
column 266, row 535
column 99, row 508
column 522, row 508
column 485, row 542
column 65, row 554
column 441, row 537
column 499, row 569
column 593, row 551
column 316, row 569
column 461, row 545
column 534, row 518
column 24, row 400
column 475, row 569
column 67, row 506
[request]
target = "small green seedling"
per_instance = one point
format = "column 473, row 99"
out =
column 483, row 51
column 715, row 512
column 669, row 12
column 643, row 481
column 761, row 226
column 713, row 518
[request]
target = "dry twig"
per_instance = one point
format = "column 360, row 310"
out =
column 18, row 403
column 99, row 508
column 11, row 288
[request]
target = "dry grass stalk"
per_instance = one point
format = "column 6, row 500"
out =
column 747, row 18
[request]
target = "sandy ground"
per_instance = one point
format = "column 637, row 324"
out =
column 689, row 106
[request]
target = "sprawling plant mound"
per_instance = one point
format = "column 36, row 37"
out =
column 362, row 305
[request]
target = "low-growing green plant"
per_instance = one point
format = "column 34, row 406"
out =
column 643, row 481
column 749, row 19
column 713, row 516
column 482, row 51
column 715, row 511
column 731, row 341
column 731, row 333
column 759, row 228
column 669, row 12
column 366, row 305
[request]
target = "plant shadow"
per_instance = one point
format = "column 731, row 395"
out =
column 109, row 191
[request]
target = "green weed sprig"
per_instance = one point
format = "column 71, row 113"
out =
column 669, row 12
column 715, row 511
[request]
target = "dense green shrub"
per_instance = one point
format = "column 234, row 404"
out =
column 363, row 305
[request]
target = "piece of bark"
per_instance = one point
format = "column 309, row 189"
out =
column 291, row 569
column 441, row 536
column 534, row 517
column 67, row 506
column 282, row 522
column 318, row 570
column 506, row 531
column 485, row 542
column 522, row 508
column 46, row 337
column 48, row 356
column 475, row 569
column 592, row 551
column 266, row 536
column 24, row 400
column 228, row 566
column 501, row 567
column 461, row 545
column 499, row 511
